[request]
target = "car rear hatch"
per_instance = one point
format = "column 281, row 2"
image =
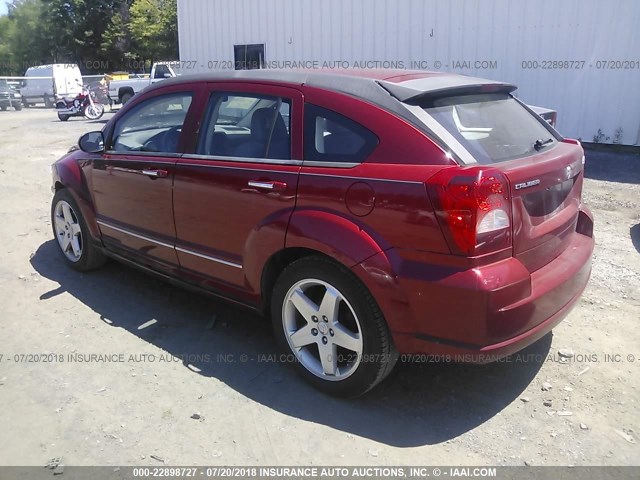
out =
column 487, row 130
column 545, row 191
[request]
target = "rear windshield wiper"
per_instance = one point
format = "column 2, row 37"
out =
column 540, row 144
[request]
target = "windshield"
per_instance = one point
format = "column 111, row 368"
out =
column 492, row 127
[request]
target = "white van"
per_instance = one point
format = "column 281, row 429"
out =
column 46, row 82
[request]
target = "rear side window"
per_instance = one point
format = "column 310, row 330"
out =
column 492, row 127
column 246, row 126
column 331, row 137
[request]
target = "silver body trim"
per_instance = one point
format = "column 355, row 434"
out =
column 173, row 247
column 267, row 161
column 207, row 257
column 137, row 235
column 443, row 135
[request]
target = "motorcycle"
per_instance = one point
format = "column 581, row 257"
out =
column 84, row 104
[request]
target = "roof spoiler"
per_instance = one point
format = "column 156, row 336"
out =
column 431, row 88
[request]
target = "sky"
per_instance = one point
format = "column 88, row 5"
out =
column 3, row 7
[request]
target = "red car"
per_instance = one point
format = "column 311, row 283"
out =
column 370, row 213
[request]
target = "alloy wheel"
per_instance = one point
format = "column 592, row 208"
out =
column 68, row 231
column 322, row 329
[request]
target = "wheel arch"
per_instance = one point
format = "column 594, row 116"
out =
column 276, row 264
column 317, row 233
column 68, row 174
column 124, row 90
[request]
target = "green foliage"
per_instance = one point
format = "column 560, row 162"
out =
column 154, row 26
column 98, row 35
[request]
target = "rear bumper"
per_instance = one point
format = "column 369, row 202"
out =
column 482, row 314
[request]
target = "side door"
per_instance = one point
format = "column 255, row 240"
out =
column 234, row 194
column 132, row 181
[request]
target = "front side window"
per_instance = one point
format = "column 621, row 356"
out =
column 152, row 126
column 246, row 125
column 493, row 127
column 331, row 137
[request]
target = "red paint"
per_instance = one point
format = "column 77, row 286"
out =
column 382, row 218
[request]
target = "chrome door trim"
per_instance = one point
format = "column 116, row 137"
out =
column 317, row 163
column 179, row 249
column 207, row 257
column 135, row 153
column 137, row 235
column 266, row 161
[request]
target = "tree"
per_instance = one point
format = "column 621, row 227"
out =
column 154, row 29
column 116, row 40
column 98, row 35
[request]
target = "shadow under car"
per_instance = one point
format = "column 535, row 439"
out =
column 421, row 403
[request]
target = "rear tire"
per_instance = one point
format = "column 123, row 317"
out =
column 63, row 117
column 329, row 321
column 17, row 106
column 47, row 102
column 4, row 109
column 125, row 98
column 72, row 235
column 25, row 103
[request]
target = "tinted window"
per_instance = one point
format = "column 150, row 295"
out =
column 246, row 125
column 161, row 71
column 492, row 127
column 152, row 126
column 331, row 137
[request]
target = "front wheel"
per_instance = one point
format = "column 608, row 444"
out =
column 72, row 234
column 17, row 106
column 327, row 319
column 94, row 112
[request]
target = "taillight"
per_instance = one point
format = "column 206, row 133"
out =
column 474, row 209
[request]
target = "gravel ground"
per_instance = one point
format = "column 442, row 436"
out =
column 182, row 393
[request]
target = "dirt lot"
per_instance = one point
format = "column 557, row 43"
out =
column 256, row 411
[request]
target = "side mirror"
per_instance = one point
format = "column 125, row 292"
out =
column 92, row 142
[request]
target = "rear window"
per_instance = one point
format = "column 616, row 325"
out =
column 492, row 127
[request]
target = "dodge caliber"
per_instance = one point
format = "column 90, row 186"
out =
column 369, row 214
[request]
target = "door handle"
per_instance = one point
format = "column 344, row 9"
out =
column 153, row 173
column 273, row 186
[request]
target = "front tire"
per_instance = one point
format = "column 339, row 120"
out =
column 94, row 112
column 328, row 320
column 17, row 106
column 72, row 235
